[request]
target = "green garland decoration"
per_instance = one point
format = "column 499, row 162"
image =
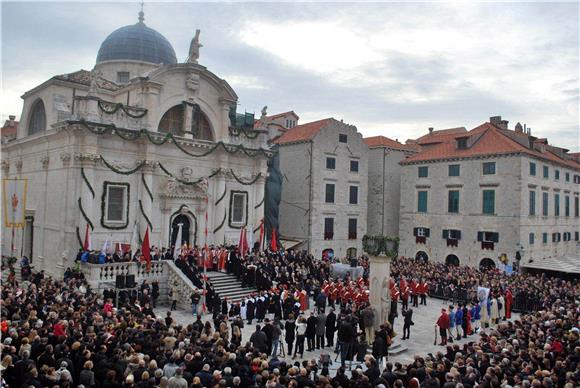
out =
column 105, row 184
column 245, row 183
column 145, row 216
column 87, row 182
column 115, row 108
column 221, row 224
column 375, row 245
column 116, row 170
column 188, row 183
column 80, row 202
column 131, row 135
column 236, row 131
column 81, row 244
column 222, row 196
column 147, row 189
column 260, row 204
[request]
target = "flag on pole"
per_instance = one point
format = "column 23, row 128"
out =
column 178, row 245
column 145, row 249
column 251, row 238
column 262, row 235
column 135, row 239
column 274, row 243
column 241, row 242
column 106, row 247
column 87, row 243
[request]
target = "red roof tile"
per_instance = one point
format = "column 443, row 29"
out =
column 277, row 115
column 383, row 141
column 303, row 132
column 486, row 139
column 441, row 135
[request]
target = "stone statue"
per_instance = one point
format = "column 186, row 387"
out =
column 94, row 86
column 194, row 48
column 264, row 111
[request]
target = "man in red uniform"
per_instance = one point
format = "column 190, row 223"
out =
column 509, row 300
column 423, row 289
column 443, row 324
column 415, row 292
column 404, row 287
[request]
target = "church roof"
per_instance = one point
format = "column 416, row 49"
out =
column 137, row 42
column 83, row 77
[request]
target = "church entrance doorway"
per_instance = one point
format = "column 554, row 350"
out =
column 188, row 228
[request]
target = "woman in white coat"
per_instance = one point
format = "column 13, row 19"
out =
column 494, row 314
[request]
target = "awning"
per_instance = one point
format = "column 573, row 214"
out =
column 566, row 264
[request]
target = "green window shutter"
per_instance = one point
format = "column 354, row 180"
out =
column 557, row 205
column 532, row 203
column 488, row 202
column 453, row 201
column 422, row 201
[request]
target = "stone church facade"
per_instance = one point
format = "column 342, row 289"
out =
column 139, row 140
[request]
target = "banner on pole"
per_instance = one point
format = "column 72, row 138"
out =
column 14, row 202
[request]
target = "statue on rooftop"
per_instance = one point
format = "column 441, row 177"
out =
column 194, row 48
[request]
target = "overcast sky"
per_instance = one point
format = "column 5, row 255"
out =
column 391, row 68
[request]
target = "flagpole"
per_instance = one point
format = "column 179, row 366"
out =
column 204, row 294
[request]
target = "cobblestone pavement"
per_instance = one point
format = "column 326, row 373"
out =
column 420, row 343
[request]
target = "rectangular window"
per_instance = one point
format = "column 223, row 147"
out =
column 576, row 235
column 489, row 168
column 116, row 203
column 557, row 205
column 531, row 239
column 576, row 207
column 421, row 232
column 546, row 172
column 454, row 170
column 329, row 197
column 532, row 203
column 532, row 169
column 328, row 228
column 353, row 195
column 567, row 177
column 544, row 238
column 122, row 77
column 354, row 166
column 544, row 204
column 342, row 138
column 567, row 206
column 488, row 236
column 453, row 201
column 423, row 172
column 330, row 163
column 488, row 202
column 239, row 208
column 452, row 234
column 352, row 228
column 422, row 201
column 462, row 143
column 557, row 174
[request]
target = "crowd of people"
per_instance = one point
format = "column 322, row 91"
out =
column 60, row 333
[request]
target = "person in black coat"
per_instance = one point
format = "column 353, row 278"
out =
column 224, row 306
column 330, row 327
column 311, row 324
column 290, row 328
column 407, row 323
column 250, row 310
column 260, row 309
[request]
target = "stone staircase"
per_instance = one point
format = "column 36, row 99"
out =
column 226, row 285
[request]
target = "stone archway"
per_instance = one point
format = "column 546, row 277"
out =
column 189, row 227
column 486, row 264
column 452, row 260
column 422, row 256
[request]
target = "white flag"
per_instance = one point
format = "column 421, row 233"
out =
column 251, row 239
column 106, row 247
column 135, row 239
column 178, row 243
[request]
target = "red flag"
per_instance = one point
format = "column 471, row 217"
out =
column 87, row 242
column 246, row 249
column 146, row 250
column 241, row 243
column 273, row 242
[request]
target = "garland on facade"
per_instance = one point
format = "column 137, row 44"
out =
column 221, row 224
column 131, row 135
column 376, row 245
column 222, row 196
column 260, row 204
column 87, row 182
column 145, row 215
column 103, row 205
column 113, row 107
column 251, row 182
column 88, row 221
column 147, row 189
column 116, row 170
column 236, row 131
column 188, row 183
column 79, row 239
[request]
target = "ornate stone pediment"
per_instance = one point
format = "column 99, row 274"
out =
column 175, row 189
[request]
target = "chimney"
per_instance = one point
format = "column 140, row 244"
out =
column 12, row 118
column 498, row 122
column 503, row 124
column 430, row 130
column 519, row 128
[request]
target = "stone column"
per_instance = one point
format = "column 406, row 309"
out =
column 147, row 201
column 380, row 273
column 219, row 204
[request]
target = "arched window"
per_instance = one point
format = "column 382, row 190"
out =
column 172, row 121
column 37, row 118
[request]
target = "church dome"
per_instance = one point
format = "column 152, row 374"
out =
column 137, row 42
